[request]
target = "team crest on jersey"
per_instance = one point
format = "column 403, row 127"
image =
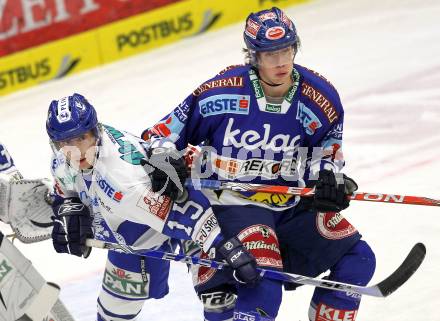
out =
column 262, row 242
column 308, row 119
column 156, row 204
column 204, row 274
column 224, row 104
column 333, row 226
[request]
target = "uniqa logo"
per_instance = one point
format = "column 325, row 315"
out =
column 251, row 139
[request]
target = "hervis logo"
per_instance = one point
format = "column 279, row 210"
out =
column 4, row 269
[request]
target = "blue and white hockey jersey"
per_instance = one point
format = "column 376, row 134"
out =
column 248, row 139
column 118, row 190
column 6, row 162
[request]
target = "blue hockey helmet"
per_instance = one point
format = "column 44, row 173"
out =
column 270, row 30
column 70, row 117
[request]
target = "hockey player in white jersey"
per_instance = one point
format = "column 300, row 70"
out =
column 24, row 294
column 102, row 191
column 24, row 203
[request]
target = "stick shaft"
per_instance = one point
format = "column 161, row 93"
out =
column 308, row 192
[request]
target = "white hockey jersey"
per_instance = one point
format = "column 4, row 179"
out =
column 7, row 165
column 118, row 190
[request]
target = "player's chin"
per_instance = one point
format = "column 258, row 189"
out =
column 84, row 164
column 280, row 77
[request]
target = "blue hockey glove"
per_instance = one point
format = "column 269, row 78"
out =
column 167, row 171
column 72, row 226
column 331, row 196
column 240, row 260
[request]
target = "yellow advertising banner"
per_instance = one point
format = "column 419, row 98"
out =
column 174, row 22
column 47, row 62
column 124, row 38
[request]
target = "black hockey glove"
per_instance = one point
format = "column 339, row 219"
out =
column 72, row 226
column 167, row 171
column 240, row 260
column 331, row 195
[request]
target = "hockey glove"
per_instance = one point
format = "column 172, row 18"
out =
column 167, row 171
column 72, row 226
column 331, row 193
column 240, row 260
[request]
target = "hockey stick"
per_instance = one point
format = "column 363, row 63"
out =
column 306, row 192
column 382, row 289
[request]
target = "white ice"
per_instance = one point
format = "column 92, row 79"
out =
column 384, row 58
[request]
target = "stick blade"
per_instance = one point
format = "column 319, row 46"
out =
column 408, row 267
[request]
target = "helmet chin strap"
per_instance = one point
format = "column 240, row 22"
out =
column 270, row 84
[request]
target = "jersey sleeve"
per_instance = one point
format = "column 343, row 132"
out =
column 190, row 220
column 330, row 156
column 64, row 178
column 326, row 147
column 7, row 165
column 181, row 126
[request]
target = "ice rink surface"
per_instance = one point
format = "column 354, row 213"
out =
column 384, row 59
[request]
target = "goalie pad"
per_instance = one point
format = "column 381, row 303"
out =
column 24, row 294
column 25, row 205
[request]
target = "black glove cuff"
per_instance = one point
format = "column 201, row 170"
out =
column 228, row 246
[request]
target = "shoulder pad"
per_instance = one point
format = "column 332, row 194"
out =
column 223, row 71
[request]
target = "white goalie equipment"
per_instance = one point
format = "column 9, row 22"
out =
column 25, row 205
column 24, row 294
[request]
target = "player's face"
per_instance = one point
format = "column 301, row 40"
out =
column 80, row 151
column 276, row 66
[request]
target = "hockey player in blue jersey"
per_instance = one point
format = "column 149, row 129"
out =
column 102, row 191
column 273, row 121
